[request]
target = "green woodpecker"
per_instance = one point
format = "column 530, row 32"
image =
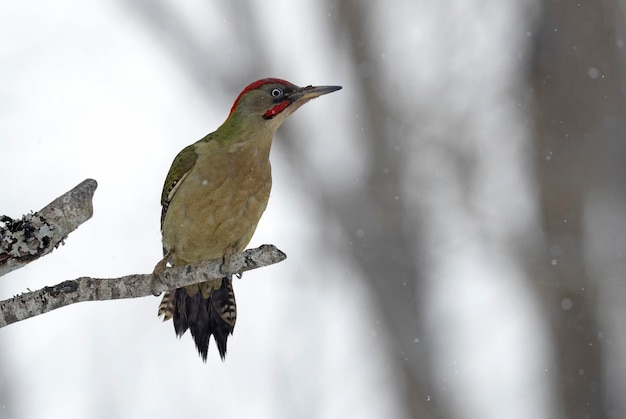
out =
column 213, row 198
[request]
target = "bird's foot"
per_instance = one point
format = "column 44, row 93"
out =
column 155, row 281
column 155, row 284
column 225, row 266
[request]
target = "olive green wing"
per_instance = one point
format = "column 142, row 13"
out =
column 181, row 166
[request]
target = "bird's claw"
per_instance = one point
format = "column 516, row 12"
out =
column 155, row 282
column 224, row 267
column 156, row 276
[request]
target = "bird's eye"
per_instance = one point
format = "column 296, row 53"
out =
column 276, row 92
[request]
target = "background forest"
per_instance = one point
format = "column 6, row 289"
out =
column 454, row 218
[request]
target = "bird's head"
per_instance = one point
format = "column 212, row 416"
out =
column 273, row 100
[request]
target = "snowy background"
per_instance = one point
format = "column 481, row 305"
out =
column 421, row 278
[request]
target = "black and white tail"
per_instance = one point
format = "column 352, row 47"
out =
column 215, row 315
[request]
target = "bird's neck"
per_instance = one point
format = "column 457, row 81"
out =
column 240, row 128
column 240, row 138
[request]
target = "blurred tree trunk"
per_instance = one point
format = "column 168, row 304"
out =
column 383, row 246
column 579, row 102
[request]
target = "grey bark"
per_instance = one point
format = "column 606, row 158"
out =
column 37, row 234
column 47, row 299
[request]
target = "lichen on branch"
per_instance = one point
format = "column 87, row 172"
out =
column 37, row 234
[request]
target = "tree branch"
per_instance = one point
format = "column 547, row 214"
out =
column 37, row 234
column 47, row 299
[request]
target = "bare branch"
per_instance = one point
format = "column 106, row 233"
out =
column 37, row 234
column 47, row 299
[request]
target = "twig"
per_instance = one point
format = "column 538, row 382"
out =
column 37, row 234
column 47, row 299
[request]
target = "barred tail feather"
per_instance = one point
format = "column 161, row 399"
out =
column 204, row 317
column 167, row 306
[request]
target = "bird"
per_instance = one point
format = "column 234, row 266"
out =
column 213, row 197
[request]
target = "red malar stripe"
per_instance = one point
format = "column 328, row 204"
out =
column 276, row 109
